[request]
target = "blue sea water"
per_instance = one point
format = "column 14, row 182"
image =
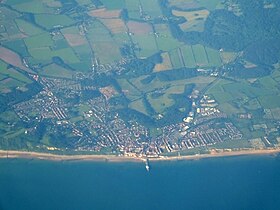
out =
column 221, row 183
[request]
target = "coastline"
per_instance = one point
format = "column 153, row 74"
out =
column 5, row 154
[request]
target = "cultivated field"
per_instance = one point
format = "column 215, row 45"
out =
column 195, row 19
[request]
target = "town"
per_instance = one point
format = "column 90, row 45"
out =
column 94, row 127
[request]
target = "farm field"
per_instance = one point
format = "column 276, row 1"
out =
column 11, row 78
column 28, row 28
column 151, row 8
column 236, row 97
column 139, row 106
column 56, row 71
column 194, row 19
column 50, row 21
column 195, row 4
column 165, row 65
column 112, row 5
column 192, row 56
column 146, row 44
column 105, row 48
column 12, row 58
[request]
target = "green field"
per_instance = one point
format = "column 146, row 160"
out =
column 50, row 21
column 200, row 82
column 46, row 54
column 211, row 5
column 132, row 5
column 147, row 45
column 84, row 2
column 163, row 101
column 130, row 91
column 195, row 56
column 188, row 56
column 2, row 76
column 18, row 46
column 28, row 28
column 166, row 43
column 175, row 59
column 151, row 8
column 213, row 57
column 234, row 97
column 270, row 101
column 12, row 73
column 31, row 6
column 200, row 55
column 138, row 105
column 9, row 83
column 164, row 38
column 117, row 4
column 38, row 41
column 56, row 71
column 268, row 82
column 105, row 48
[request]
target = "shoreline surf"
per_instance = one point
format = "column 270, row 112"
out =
column 6, row 154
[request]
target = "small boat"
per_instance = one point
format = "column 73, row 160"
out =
column 147, row 165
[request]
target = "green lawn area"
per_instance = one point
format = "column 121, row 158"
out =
column 232, row 144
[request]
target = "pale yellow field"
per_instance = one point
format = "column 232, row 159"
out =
column 103, row 13
column 228, row 57
column 195, row 19
column 139, row 28
column 114, row 25
column 75, row 39
column 165, row 65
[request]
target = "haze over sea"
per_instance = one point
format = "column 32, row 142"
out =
column 219, row 183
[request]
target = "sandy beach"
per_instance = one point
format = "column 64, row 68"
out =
column 113, row 158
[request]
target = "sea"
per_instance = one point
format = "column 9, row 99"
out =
column 229, row 183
